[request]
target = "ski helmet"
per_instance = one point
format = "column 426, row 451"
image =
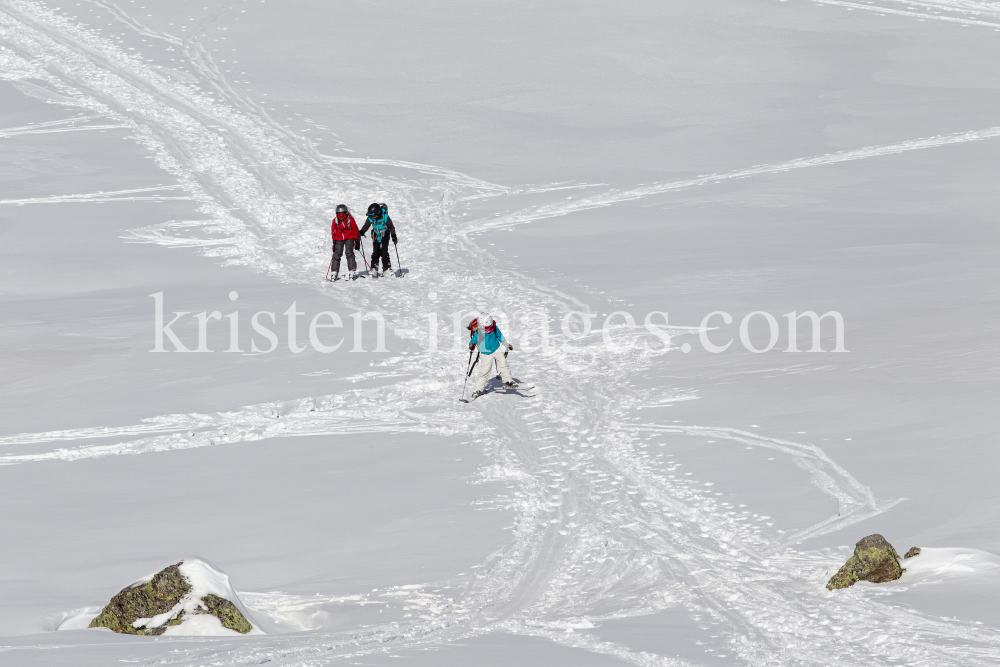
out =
column 473, row 324
column 374, row 211
column 488, row 324
column 342, row 208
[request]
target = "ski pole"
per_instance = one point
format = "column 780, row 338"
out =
column 398, row 263
column 467, row 375
column 362, row 242
column 505, row 353
column 328, row 268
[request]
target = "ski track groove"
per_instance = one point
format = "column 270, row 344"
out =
column 929, row 10
column 55, row 127
column 612, row 197
column 602, row 529
column 100, row 197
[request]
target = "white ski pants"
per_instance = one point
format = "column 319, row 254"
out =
column 486, row 367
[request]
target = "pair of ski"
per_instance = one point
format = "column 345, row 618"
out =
column 339, row 278
column 504, row 390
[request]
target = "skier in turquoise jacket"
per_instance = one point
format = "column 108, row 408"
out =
column 382, row 231
column 486, row 335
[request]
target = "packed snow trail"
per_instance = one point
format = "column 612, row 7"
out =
column 961, row 12
column 605, row 529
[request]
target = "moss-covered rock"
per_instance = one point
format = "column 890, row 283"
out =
column 226, row 611
column 167, row 592
column 914, row 551
column 874, row 560
column 144, row 600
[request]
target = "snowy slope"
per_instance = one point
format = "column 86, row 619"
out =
column 650, row 506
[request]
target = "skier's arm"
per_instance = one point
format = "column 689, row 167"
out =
column 504, row 340
column 392, row 228
column 357, row 241
column 368, row 223
column 473, row 339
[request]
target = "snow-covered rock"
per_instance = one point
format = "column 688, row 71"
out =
column 189, row 598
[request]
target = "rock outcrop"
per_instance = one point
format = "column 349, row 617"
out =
column 874, row 560
column 914, row 551
column 167, row 599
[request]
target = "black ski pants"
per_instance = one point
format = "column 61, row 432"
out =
column 381, row 250
column 338, row 252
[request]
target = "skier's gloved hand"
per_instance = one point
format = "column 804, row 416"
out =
column 472, row 346
column 394, row 239
column 357, row 244
column 509, row 346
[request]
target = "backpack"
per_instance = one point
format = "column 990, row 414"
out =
column 380, row 224
column 345, row 227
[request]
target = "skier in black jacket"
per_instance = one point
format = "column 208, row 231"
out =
column 382, row 230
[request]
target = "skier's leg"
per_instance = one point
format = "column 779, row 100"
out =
column 338, row 250
column 374, row 261
column 484, row 372
column 386, row 262
column 502, row 366
column 352, row 263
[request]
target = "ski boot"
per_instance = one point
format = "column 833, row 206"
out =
column 510, row 385
column 351, row 275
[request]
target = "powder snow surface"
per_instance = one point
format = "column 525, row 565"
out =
column 653, row 503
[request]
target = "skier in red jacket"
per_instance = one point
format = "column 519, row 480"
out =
column 345, row 236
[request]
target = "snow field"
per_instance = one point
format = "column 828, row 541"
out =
column 603, row 530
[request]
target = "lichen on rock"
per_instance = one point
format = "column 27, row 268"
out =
column 151, row 606
column 874, row 560
column 144, row 600
column 914, row 551
column 226, row 611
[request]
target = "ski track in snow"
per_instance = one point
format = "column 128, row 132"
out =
column 101, row 197
column 604, row 529
column 617, row 196
column 962, row 12
column 56, row 126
